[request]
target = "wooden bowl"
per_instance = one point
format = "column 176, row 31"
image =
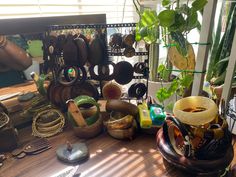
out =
column 122, row 133
column 205, row 167
column 121, row 123
column 89, row 131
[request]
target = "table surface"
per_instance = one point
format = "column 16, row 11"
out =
column 109, row 157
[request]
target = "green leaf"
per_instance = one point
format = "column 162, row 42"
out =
column 147, row 28
column 199, row 4
column 152, row 35
column 138, row 36
column 181, row 43
column 166, row 75
column 179, row 24
column 162, row 94
column 221, row 66
column 219, row 80
column 192, row 20
column 148, row 17
column 170, row 106
column 167, row 18
column 174, row 86
column 163, row 72
column 184, row 9
column 143, row 31
column 186, row 80
column 161, row 68
column 198, row 26
column 166, row 3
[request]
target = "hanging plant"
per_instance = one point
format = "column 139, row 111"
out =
column 176, row 20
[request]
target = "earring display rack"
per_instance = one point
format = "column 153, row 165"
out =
column 118, row 53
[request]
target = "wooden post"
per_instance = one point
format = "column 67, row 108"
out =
column 153, row 61
column 229, row 73
column 205, row 37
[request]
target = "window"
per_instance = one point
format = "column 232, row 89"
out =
column 117, row 11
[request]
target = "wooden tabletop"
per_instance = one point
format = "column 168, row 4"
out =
column 109, row 157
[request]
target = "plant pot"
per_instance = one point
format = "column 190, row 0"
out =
column 153, row 87
column 218, row 90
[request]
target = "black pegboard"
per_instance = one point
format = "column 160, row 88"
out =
column 110, row 53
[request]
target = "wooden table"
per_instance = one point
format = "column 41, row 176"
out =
column 108, row 158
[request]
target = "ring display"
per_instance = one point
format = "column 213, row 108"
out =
column 74, row 54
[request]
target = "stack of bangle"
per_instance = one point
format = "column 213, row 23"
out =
column 121, row 124
column 174, row 131
column 48, row 123
column 206, row 142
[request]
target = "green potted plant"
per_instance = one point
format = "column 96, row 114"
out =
column 174, row 22
column 221, row 49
